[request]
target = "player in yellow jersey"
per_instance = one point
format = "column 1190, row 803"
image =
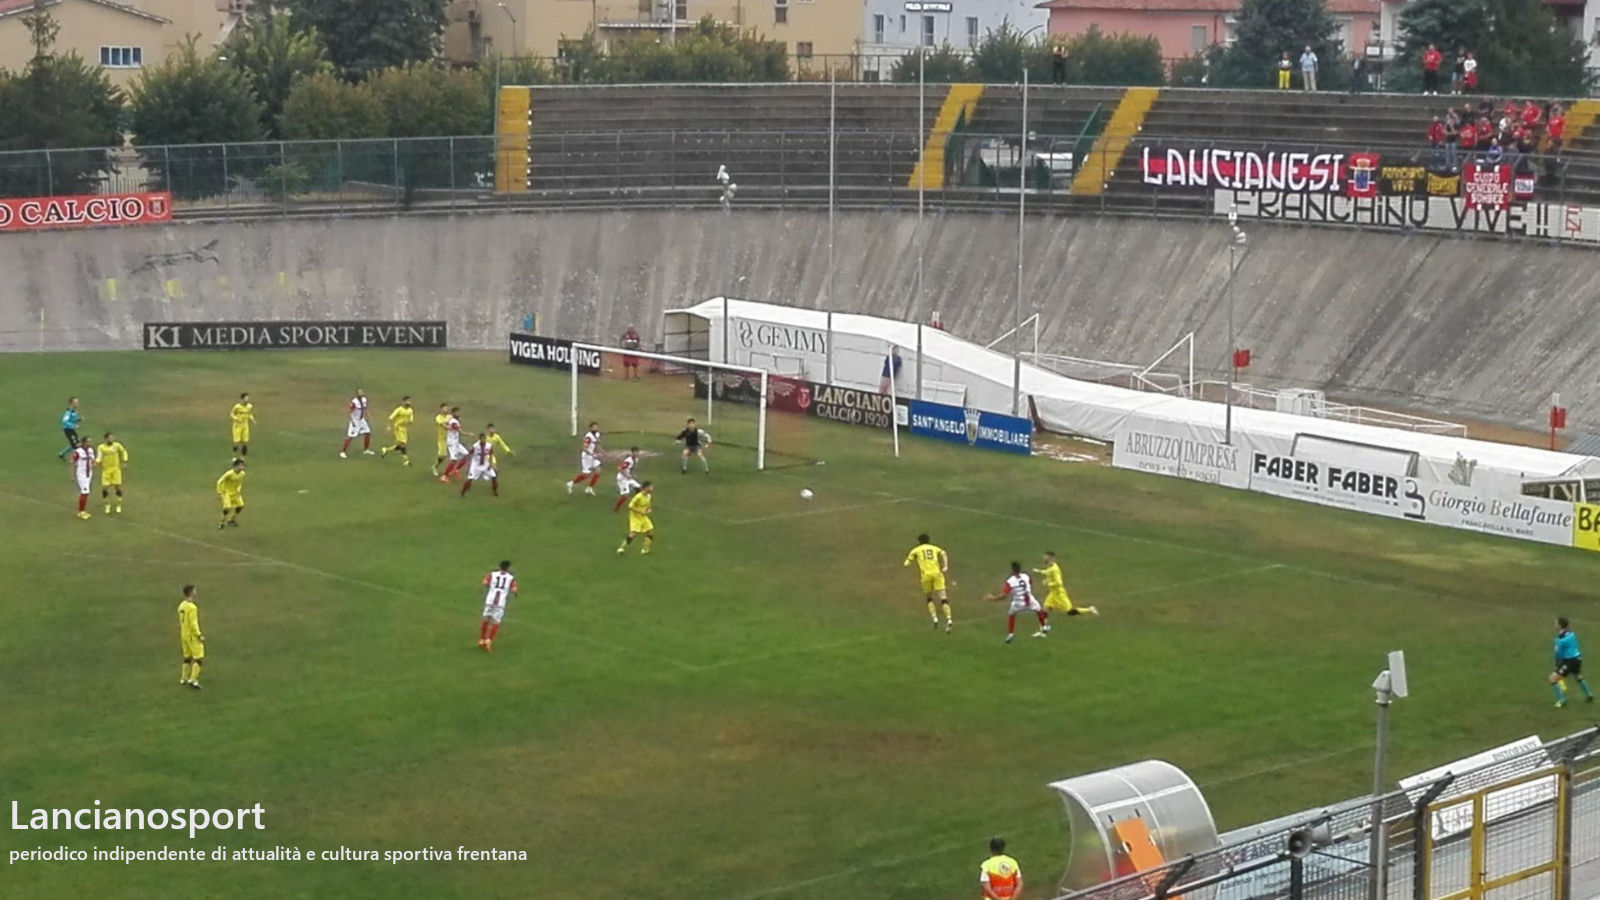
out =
column 441, row 435
column 242, row 414
column 932, row 564
column 639, row 519
column 112, row 458
column 400, row 425
column 1055, row 596
column 497, row 442
column 230, row 488
column 190, row 640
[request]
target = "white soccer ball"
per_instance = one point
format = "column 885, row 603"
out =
column 805, row 494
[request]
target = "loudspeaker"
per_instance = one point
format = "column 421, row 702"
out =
column 1304, row 840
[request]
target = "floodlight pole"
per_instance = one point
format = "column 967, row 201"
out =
column 833, row 87
column 1022, row 209
column 1375, row 850
column 922, row 178
column 1236, row 242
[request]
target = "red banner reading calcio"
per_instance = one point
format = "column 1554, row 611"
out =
column 85, row 211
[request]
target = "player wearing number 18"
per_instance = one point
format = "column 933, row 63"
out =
column 932, row 564
column 639, row 520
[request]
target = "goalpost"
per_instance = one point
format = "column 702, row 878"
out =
column 740, row 385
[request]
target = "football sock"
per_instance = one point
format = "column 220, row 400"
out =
column 1560, row 691
column 83, row 500
column 1044, row 619
column 244, row 449
column 932, row 611
column 366, row 442
column 705, row 463
column 183, row 673
column 1584, row 686
column 464, row 485
column 346, row 445
column 194, row 672
column 947, row 618
column 648, row 540
column 1011, row 624
column 494, row 486
column 578, row 478
column 683, row 464
column 494, row 631
column 483, row 630
column 618, row 505
column 595, row 478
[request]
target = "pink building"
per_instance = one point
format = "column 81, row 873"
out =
column 1186, row 27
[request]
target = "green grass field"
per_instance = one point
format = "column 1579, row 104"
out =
column 757, row 710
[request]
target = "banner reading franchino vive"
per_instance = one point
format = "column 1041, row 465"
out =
column 972, row 427
column 293, row 335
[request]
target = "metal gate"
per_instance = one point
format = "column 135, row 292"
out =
column 1507, row 842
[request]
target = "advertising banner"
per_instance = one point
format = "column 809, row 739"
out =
column 1177, row 449
column 851, row 406
column 551, row 353
column 296, row 335
column 1449, row 819
column 783, row 394
column 972, row 427
column 86, row 211
column 1586, row 526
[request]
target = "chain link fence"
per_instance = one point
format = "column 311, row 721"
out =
column 1524, row 827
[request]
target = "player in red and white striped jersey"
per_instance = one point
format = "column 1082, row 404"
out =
column 500, row 585
column 453, row 447
column 358, row 425
column 480, row 465
column 1019, row 588
column 626, row 482
column 589, row 462
column 82, row 461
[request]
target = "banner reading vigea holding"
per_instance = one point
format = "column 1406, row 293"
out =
column 292, row 335
column 1268, row 464
column 972, row 427
column 551, row 353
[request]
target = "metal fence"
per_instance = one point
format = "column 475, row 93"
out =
column 1525, row 827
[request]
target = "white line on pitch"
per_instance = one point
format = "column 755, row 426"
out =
column 815, row 512
column 167, row 562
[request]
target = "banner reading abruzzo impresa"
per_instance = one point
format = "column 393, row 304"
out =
column 90, row 211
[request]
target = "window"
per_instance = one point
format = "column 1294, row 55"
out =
column 780, row 12
column 802, row 50
column 927, row 31
column 680, row 9
column 877, row 28
column 972, row 31
column 902, row 23
column 122, row 57
column 1197, row 37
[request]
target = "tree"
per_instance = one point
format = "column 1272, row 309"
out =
column 706, row 52
column 1520, row 47
column 323, row 107
column 1121, row 59
column 192, row 99
column 1003, row 53
column 56, row 102
column 272, row 54
column 945, row 65
column 423, row 100
column 367, row 36
column 1270, row 28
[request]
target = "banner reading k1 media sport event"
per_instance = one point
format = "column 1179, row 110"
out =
column 1267, row 464
column 293, row 335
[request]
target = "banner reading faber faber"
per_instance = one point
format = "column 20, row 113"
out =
column 292, row 335
column 91, row 211
column 971, row 427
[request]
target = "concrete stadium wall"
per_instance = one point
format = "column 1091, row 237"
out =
column 1466, row 327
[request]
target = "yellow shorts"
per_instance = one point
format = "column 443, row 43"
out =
column 110, row 479
column 193, row 649
column 241, row 434
column 640, row 524
column 933, row 584
column 444, row 449
column 1057, row 599
column 233, row 501
column 400, row 435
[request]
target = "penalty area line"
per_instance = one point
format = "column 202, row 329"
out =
column 816, row 512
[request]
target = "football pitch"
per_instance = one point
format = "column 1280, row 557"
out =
column 757, row 709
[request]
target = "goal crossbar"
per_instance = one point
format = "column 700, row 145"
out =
column 579, row 349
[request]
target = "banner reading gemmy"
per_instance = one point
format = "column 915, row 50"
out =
column 87, row 211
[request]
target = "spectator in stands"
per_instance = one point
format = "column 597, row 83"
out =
column 1284, row 68
column 1555, row 127
column 1469, row 74
column 891, row 370
column 1469, row 140
column 1431, row 60
column 1436, row 139
column 1532, row 115
column 1452, row 135
column 630, row 364
column 1521, row 145
column 1495, row 154
column 1058, row 62
column 1308, row 70
column 1358, row 73
column 1456, row 70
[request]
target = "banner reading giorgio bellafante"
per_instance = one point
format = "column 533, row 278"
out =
column 293, row 335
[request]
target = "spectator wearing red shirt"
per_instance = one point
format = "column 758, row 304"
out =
column 630, row 364
column 1436, row 139
column 1556, row 127
column 1431, row 60
column 1531, row 114
column 1511, row 111
column 1469, row 140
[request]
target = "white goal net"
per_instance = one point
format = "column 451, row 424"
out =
column 651, row 396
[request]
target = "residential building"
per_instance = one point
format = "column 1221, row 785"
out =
column 816, row 33
column 894, row 28
column 1187, row 27
column 122, row 36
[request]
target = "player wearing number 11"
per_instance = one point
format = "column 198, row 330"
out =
column 932, row 564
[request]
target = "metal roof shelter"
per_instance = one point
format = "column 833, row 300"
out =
column 1132, row 818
